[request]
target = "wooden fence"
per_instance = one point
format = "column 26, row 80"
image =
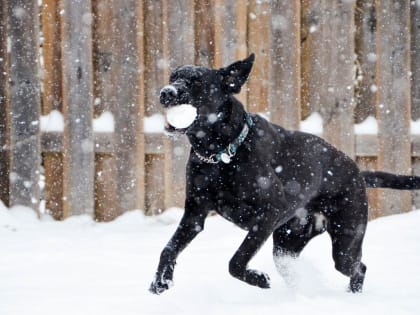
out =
column 345, row 59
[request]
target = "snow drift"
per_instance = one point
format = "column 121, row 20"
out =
column 83, row 267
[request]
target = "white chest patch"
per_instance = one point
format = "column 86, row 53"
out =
column 181, row 116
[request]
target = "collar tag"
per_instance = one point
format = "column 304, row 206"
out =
column 225, row 158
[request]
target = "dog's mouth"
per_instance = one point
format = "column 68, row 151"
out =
column 179, row 118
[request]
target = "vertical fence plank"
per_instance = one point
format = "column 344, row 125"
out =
column 369, row 163
column 230, row 35
column 179, row 18
column 329, row 68
column 339, row 104
column 415, row 82
column 285, row 85
column 78, row 158
column 314, row 55
column 204, row 33
column 393, row 109
column 103, row 50
column 155, row 64
column 51, row 51
column 4, row 157
column 51, row 100
column 128, row 106
column 259, row 43
column 24, row 106
column 103, row 55
column 365, row 16
column 415, row 60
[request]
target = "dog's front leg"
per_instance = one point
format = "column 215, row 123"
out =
column 249, row 247
column 188, row 228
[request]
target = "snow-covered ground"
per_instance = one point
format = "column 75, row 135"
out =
column 82, row 267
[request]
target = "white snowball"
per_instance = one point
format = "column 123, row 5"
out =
column 181, row 116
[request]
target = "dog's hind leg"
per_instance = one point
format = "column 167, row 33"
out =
column 347, row 229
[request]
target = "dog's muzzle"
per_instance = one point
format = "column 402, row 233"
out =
column 168, row 95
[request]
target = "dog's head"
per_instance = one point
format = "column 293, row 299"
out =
column 205, row 89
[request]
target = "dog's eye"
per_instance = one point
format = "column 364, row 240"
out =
column 196, row 81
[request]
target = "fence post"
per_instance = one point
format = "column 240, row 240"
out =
column 24, row 103
column 78, row 160
column 4, row 158
column 285, row 84
column 393, row 108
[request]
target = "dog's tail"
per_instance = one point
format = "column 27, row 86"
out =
column 389, row 180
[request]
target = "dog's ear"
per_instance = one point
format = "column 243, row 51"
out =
column 235, row 75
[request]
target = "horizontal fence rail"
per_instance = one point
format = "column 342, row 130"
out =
column 345, row 60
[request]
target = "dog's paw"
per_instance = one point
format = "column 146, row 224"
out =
column 160, row 285
column 257, row 278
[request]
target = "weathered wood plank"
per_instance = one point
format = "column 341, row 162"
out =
column 103, row 55
column 104, row 91
column 51, row 100
column 155, row 183
column 24, row 103
column 105, row 188
column 53, row 164
column 204, row 33
column 78, row 159
column 4, row 157
column 229, row 43
column 366, row 88
column 128, row 107
column 416, row 193
column 393, row 109
column 156, row 63
column 315, row 55
column 370, row 164
column 179, row 51
column 51, row 50
column 415, row 60
column 259, row 43
column 337, row 111
column 285, row 83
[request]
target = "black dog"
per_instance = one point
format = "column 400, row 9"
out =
column 265, row 179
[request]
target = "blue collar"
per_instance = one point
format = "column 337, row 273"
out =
column 229, row 152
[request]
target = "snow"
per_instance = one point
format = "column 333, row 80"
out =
column 181, row 116
column 54, row 122
column 368, row 127
column 312, row 124
column 104, row 123
column 154, row 123
column 79, row 266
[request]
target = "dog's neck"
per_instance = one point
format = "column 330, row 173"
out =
column 210, row 138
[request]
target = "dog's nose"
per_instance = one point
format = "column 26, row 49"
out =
column 168, row 94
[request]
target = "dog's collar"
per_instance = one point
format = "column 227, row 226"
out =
column 227, row 153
